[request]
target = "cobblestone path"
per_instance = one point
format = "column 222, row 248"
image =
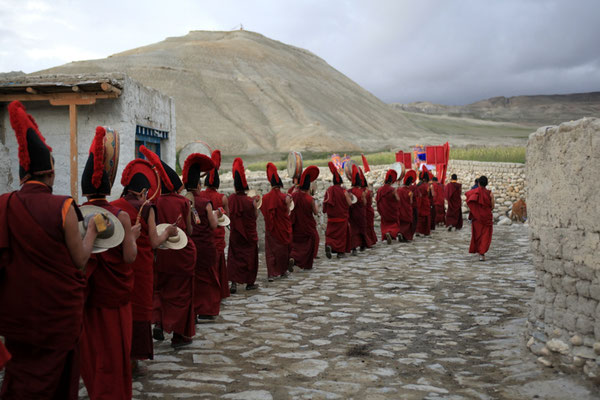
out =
column 407, row 321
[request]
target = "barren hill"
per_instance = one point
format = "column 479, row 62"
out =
column 533, row 110
column 248, row 94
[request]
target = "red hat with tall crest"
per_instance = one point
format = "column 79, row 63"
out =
column 239, row 175
column 212, row 178
column 410, row 174
column 337, row 179
column 273, row 176
column 94, row 179
column 193, row 166
column 391, row 176
column 169, row 179
column 356, row 181
column 309, row 175
column 35, row 156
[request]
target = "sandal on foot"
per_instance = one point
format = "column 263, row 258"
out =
column 328, row 251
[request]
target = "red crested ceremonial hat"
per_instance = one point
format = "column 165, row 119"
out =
column 411, row 173
column 336, row 175
column 212, row 178
column 139, row 174
column 363, row 180
column 95, row 180
column 35, row 156
column 273, row 176
column 310, row 174
column 390, row 176
column 193, row 166
column 239, row 175
column 356, row 181
column 169, row 179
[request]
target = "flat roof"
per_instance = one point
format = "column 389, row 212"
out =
column 53, row 87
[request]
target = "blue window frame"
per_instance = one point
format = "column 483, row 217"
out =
column 149, row 137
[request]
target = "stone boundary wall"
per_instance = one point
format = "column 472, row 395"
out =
column 6, row 180
column 564, row 322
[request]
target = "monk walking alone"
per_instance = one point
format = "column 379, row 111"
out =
column 481, row 203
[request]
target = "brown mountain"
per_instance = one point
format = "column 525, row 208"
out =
column 531, row 110
column 248, row 94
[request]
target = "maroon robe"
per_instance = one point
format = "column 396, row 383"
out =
column 207, row 300
column 143, row 280
column 304, row 230
column 41, row 296
column 174, row 272
column 405, row 212
column 337, row 234
column 370, row 220
column 216, row 199
column 107, row 322
column 358, row 220
column 4, row 356
column 242, row 255
column 453, row 193
column 438, row 202
column 423, row 208
column 479, row 201
column 387, row 207
column 278, row 232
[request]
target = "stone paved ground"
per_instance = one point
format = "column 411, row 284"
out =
column 422, row 320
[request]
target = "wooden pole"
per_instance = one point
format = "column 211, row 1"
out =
column 73, row 155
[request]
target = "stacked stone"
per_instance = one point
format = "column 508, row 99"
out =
column 506, row 181
column 564, row 321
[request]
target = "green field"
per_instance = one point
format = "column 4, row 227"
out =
column 512, row 154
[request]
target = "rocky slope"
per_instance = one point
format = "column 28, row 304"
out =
column 532, row 110
column 248, row 94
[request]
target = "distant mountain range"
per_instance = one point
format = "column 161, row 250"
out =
column 534, row 110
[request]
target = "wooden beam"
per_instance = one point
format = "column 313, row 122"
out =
column 73, row 153
column 68, row 102
column 107, row 87
column 31, row 90
column 58, row 96
column 75, row 88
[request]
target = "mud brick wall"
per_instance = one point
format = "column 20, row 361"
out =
column 564, row 216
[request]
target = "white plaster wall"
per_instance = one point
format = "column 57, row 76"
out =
column 136, row 105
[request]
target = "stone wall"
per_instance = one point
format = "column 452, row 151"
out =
column 5, row 173
column 564, row 321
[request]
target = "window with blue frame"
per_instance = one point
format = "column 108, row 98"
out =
column 149, row 137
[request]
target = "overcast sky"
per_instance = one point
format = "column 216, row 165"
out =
column 444, row 51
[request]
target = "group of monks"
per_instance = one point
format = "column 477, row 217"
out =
column 71, row 307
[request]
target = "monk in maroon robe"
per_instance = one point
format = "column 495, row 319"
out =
column 387, row 207
column 42, row 257
column 242, row 257
column 357, row 219
column 4, row 356
column 481, row 203
column 406, row 209
column 107, row 318
column 207, row 299
column 174, row 288
column 139, row 180
column 371, row 236
column 304, row 227
column 422, row 196
column 278, row 227
column 438, row 202
column 453, row 194
column 336, row 205
column 219, row 202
